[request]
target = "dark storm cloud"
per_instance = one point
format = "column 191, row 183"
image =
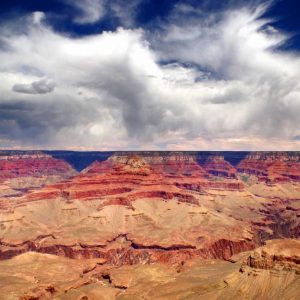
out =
column 128, row 93
column 43, row 121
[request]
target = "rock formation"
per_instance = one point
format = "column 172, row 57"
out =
column 165, row 218
column 22, row 172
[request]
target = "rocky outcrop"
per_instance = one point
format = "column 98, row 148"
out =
column 35, row 165
column 280, row 254
column 218, row 166
column 133, row 253
column 21, row 173
column 272, row 166
column 141, row 219
column 167, row 163
column 55, row 277
column 148, row 208
column 174, row 176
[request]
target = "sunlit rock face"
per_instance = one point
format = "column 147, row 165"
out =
column 21, row 172
column 272, row 167
column 161, row 220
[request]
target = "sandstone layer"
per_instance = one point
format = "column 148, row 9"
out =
column 54, row 277
column 165, row 218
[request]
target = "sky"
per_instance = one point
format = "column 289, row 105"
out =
column 150, row 74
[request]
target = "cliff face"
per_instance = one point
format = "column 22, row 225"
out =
column 272, row 167
column 276, row 254
column 218, row 166
column 22, row 172
column 55, row 277
column 140, row 208
column 16, row 166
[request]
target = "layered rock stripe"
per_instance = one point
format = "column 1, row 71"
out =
column 150, row 213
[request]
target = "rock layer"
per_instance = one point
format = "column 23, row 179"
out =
column 169, row 208
column 55, row 277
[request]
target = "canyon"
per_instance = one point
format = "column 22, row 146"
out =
column 149, row 225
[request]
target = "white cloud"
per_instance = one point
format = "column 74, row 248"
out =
column 89, row 11
column 38, row 16
column 92, row 11
column 125, row 13
column 240, row 48
column 227, row 86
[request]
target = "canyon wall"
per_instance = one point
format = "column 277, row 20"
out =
column 135, row 208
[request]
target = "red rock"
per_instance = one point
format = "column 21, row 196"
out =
column 217, row 220
column 276, row 253
column 274, row 167
column 32, row 165
column 218, row 166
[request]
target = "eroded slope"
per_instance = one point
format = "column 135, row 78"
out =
column 171, row 212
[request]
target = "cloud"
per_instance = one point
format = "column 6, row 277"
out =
column 38, row 17
column 89, row 11
column 203, row 81
column 100, row 96
column 241, row 49
column 43, row 86
column 93, row 11
column 126, row 14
